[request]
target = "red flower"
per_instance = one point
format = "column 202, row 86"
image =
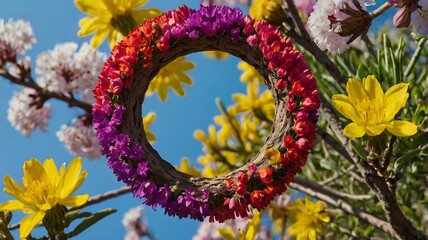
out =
column 298, row 89
column 257, row 199
column 312, row 101
column 229, row 183
column 281, row 84
column 243, row 178
column 304, row 128
column 289, row 142
column 241, row 189
column 265, row 174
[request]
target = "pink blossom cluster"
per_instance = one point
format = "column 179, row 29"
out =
column 69, row 70
column 24, row 115
column 16, row 37
column 135, row 226
column 80, row 138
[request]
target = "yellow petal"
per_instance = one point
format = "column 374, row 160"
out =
column 71, row 177
column 51, row 170
column 89, row 25
column 137, row 3
column 29, row 222
column 354, row 130
column 99, row 37
column 12, row 205
column 396, row 97
column 253, row 226
column 91, row 7
column 33, row 171
column 355, row 90
column 75, row 201
column 375, row 130
column 227, row 233
column 401, row 128
column 143, row 14
column 343, row 105
column 324, row 217
column 162, row 92
column 373, row 88
column 114, row 36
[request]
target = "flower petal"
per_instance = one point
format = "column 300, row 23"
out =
column 99, row 37
column 375, row 130
column 12, row 205
column 396, row 98
column 373, row 88
column 75, row 201
column 94, row 8
column 16, row 190
column 324, row 217
column 29, row 222
column 354, row 130
column 355, row 90
column 33, row 171
column 137, row 3
column 51, row 169
column 344, row 105
column 71, row 177
column 89, row 25
column 401, row 128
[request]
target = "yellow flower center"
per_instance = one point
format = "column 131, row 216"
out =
column 39, row 191
column 372, row 110
column 307, row 218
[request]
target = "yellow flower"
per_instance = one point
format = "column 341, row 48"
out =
column 172, row 75
column 44, row 188
column 269, row 10
column 216, row 55
column 249, row 74
column 249, row 233
column 307, row 219
column 147, row 121
column 272, row 155
column 371, row 111
column 186, row 168
column 261, row 106
column 226, row 132
column 112, row 18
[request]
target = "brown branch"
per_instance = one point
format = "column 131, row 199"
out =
column 399, row 222
column 319, row 192
column 30, row 83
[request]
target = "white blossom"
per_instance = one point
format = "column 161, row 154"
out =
column 15, row 37
column 23, row 113
column 325, row 32
column 135, row 226
column 67, row 70
column 420, row 18
column 80, row 138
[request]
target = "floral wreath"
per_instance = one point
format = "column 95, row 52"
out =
column 138, row 58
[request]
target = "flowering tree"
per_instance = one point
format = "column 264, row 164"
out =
column 328, row 140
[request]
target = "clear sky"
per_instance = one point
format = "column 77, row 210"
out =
column 57, row 22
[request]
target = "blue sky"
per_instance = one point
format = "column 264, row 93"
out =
column 57, row 22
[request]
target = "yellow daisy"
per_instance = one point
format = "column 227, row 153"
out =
column 371, row 110
column 45, row 188
column 112, row 18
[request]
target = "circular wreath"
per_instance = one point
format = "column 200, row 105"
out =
column 136, row 60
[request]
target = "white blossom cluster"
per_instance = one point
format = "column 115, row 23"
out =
column 136, row 228
column 24, row 115
column 15, row 37
column 420, row 18
column 325, row 32
column 70, row 71
column 80, row 139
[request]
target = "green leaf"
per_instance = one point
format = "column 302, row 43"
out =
column 401, row 161
column 73, row 215
column 91, row 220
column 359, row 150
column 328, row 164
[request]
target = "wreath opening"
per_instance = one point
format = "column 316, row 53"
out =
column 137, row 59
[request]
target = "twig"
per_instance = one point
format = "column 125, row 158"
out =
column 335, row 176
column 296, row 18
column 377, row 12
column 72, row 102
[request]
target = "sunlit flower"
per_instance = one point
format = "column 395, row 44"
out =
column 147, row 121
column 226, row 132
column 186, row 168
column 268, row 10
column 307, row 219
column 371, row 110
column 44, row 189
column 260, row 105
column 249, row 74
column 245, row 230
column 172, row 75
column 111, row 18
